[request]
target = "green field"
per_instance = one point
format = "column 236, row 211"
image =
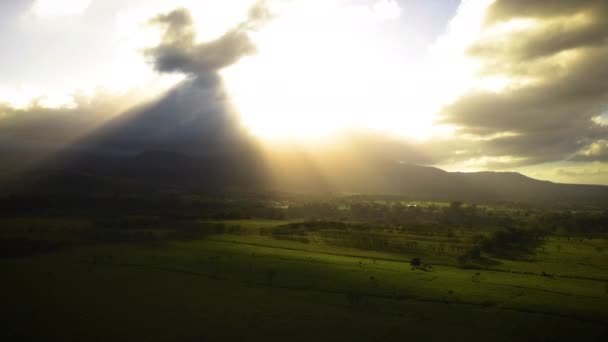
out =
column 265, row 280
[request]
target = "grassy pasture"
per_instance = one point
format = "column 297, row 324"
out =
column 258, row 283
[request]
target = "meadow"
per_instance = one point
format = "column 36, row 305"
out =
column 299, row 280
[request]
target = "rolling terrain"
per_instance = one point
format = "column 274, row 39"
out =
column 265, row 279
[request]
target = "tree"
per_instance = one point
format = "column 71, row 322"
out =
column 416, row 262
column 456, row 205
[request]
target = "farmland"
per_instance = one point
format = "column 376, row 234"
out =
column 231, row 279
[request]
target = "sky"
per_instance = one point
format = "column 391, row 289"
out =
column 472, row 85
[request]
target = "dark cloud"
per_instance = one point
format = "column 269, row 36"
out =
column 503, row 10
column 560, row 60
column 560, row 25
column 179, row 52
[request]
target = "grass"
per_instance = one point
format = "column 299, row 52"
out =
column 254, row 224
column 252, row 286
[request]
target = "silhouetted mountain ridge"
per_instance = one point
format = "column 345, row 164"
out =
column 169, row 170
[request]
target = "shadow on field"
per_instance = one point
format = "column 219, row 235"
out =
column 22, row 247
column 512, row 243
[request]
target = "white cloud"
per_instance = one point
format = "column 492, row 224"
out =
column 59, row 8
column 386, row 9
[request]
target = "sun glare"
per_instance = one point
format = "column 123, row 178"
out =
column 323, row 67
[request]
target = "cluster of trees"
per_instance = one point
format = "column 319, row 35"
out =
column 359, row 209
column 506, row 243
column 358, row 222
column 174, row 206
column 575, row 222
column 456, row 214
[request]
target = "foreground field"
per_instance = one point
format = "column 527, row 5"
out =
column 248, row 283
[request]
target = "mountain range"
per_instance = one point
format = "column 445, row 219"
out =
column 158, row 170
column 173, row 145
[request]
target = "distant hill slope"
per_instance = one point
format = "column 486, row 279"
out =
column 165, row 170
column 435, row 184
column 513, row 186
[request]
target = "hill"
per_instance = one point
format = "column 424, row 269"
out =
column 157, row 170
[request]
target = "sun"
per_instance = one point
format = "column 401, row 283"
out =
column 321, row 68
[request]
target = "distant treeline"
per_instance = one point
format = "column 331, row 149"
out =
column 172, row 206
